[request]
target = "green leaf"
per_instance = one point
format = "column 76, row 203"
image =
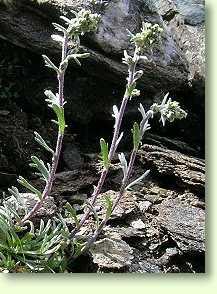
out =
column 78, row 246
column 130, row 89
column 136, row 136
column 39, row 165
column 104, row 153
column 27, row 185
column 53, row 102
column 72, row 213
column 108, row 205
column 42, row 142
column 59, row 110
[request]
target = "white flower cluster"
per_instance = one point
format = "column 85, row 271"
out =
column 169, row 110
column 148, row 35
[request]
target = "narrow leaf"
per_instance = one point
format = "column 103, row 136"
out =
column 109, row 205
column 124, row 164
column 41, row 228
column 57, row 38
column 49, row 63
column 66, row 19
column 27, row 185
column 14, row 191
column 138, row 181
column 51, row 97
column 53, row 102
column 59, row 28
column 42, row 142
column 59, row 110
column 104, row 153
column 72, row 213
column 136, row 136
column 39, row 164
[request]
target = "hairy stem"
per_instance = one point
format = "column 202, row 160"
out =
column 120, row 195
column 104, row 173
column 56, row 155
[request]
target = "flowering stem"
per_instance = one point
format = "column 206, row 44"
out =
column 104, row 173
column 56, row 154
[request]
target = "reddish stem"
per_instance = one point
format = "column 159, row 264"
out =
column 56, row 155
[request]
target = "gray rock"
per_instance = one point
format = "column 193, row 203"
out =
column 186, row 171
column 187, row 24
column 69, row 183
column 185, row 224
column 166, row 257
column 144, row 205
column 111, row 253
column 72, row 157
column 193, row 11
column 123, row 232
column 33, row 31
column 47, row 209
column 138, row 224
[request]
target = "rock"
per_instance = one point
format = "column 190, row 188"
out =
column 153, row 194
column 193, row 11
column 188, row 27
column 166, row 257
column 186, row 23
column 186, row 171
column 7, row 180
column 146, row 266
column 185, row 224
column 17, row 142
column 143, row 264
column 157, row 227
column 123, row 232
column 47, row 210
column 33, row 31
column 71, row 183
column 138, row 224
column 72, row 157
column 89, row 105
column 174, row 144
column 144, row 205
column 111, row 253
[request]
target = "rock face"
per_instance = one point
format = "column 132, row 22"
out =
column 180, row 57
column 188, row 27
column 32, row 31
column 184, row 171
column 186, row 225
